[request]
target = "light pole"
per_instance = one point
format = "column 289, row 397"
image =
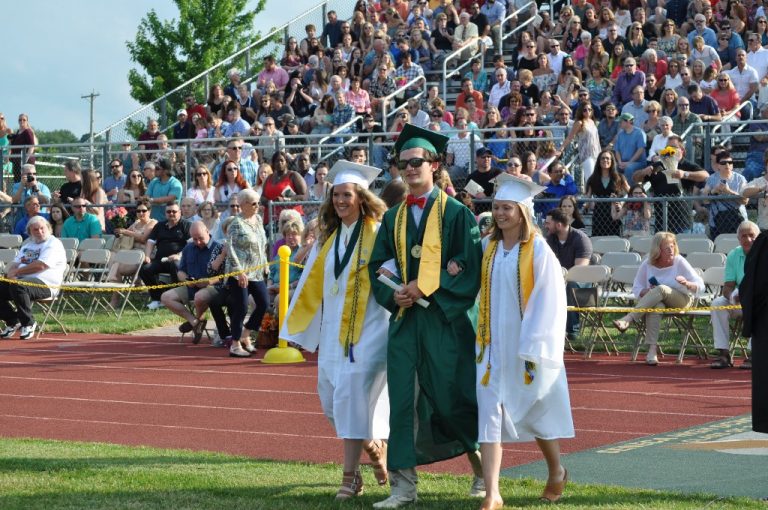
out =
column 93, row 95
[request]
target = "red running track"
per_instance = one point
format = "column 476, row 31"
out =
column 154, row 391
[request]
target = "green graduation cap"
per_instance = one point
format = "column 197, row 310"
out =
column 412, row 136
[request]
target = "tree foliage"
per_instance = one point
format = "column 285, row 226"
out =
column 56, row 136
column 172, row 51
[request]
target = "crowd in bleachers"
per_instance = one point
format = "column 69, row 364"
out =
column 587, row 101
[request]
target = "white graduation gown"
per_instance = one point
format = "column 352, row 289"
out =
column 353, row 396
column 510, row 410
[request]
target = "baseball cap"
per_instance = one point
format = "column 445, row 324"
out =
column 181, row 111
column 482, row 151
column 627, row 116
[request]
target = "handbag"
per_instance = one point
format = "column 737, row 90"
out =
column 123, row 243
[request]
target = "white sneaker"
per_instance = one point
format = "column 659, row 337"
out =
column 154, row 305
column 478, row 488
column 651, row 359
column 237, row 351
column 395, row 501
column 9, row 331
column 28, row 331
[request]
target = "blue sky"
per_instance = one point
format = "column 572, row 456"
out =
column 57, row 51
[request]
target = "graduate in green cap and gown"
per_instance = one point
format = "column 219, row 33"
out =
column 430, row 354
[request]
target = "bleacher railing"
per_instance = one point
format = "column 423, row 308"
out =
column 247, row 59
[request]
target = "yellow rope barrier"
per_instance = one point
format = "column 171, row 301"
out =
column 618, row 309
column 73, row 288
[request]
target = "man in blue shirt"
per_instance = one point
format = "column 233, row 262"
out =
column 164, row 189
column 630, row 146
column 193, row 265
column 115, row 182
column 31, row 208
column 701, row 28
column 735, row 42
column 628, row 79
column 27, row 187
column 81, row 225
column 560, row 185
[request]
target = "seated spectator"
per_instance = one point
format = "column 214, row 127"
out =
column 31, row 209
column 291, row 231
column 163, row 189
column 635, row 215
column 166, row 239
column 42, row 261
column 184, row 129
column 202, row 188
column 193, row 266
column 237, row 125
column 608, row 127
column 73, row 187
column 630, row 146
column 560, row 184
column 81, row 225
column 135, row 185
column 458, row 151
column 29, row 186
column 734, row 274
column 231, row 181
column 271, row 73
column 466, row 36
column 570, row 208
column 58, row 215
column 484, row 173
column 286, row 216
column 725, row 215
column 150, row 135
column 188, row 209
column 407, row 72
column 665, row 280
column 115, row 181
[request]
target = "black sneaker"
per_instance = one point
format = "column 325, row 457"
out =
column 9, row 331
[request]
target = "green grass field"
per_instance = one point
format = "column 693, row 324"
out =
column 36, row 474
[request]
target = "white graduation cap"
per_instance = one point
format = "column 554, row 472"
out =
column 515, row 189
column 346, row 171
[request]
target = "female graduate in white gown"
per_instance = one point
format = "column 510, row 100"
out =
column 334, row 309
column 522, row 391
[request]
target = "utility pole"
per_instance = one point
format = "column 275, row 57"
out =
column 93, row 95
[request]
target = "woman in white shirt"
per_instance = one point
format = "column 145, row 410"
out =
column 202, row 190
column 664, row 278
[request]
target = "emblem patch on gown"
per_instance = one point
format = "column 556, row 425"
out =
column 530, row 372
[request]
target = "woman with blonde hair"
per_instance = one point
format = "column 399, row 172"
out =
column 665, row 280
column 636, row 43
column 651, row 126
column 202, row 190
column 333, row 308
column 520, row 276
column 543, row 76
column 669, row 102
column 704, row 53
column 584, row 132
column 209, row 215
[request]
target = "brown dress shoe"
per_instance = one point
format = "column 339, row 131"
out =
column 491, row 504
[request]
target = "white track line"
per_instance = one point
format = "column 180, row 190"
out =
column 659, row 394
column 174, row 427
column 574, row 373
column 160, row 404
column 157, row 385
column 642, row 411
column 156, row 369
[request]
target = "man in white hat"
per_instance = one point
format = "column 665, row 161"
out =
column 333, row 308
column 417, row 242
column 183, row 129
column 522, row 391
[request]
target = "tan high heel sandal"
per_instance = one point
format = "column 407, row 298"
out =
column 378, row 455
column 351, row 485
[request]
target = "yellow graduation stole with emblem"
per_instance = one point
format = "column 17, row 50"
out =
column 430, row 251
column 355, row 296
column 525, row 283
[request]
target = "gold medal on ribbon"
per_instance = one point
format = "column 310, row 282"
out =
column 335, row 289
column 416, row 251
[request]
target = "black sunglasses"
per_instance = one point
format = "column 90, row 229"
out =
column 413, row 163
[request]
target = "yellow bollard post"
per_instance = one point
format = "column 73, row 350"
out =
column 282, row 353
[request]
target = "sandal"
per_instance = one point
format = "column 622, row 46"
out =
column 554, row 491
column 378, row 455
column 351, row 485
column 721, row 362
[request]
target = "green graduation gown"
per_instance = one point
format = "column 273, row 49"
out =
column 432, row 349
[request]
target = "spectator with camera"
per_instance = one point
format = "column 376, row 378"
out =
column 30, row 186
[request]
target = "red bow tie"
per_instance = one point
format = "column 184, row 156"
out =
column 411, row 200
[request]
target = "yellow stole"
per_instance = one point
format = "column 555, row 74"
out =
column 431, row 249
column 355, row 296
column 525, row 273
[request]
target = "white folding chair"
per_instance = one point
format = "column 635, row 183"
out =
column 612, row 244
column 69, row 242
column 123, row 288
column 109, row 240
column 587, row 296
column 90, row 244
column 7, row 255
column 640, row 244
column 615, row 259
column 686, row 235
column 700, row 245
column 92, row 267
column 705, row 260
column 724, row 243
column 10, row 241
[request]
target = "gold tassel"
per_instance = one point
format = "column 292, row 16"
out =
column 481, row 354
column 486, row 376
column 528, row 379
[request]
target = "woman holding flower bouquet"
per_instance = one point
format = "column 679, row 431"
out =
column 131, row 238
column 353, row 351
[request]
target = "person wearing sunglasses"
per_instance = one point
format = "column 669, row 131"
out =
column 725, row 215
column 116, row 181
column 419, row 241
column 25, row 135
